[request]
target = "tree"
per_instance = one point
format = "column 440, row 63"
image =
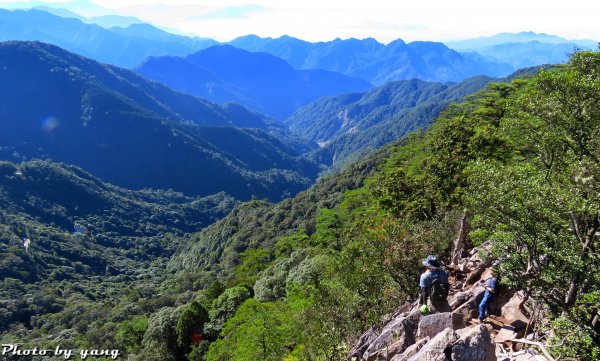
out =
column 258, row 331
column 224, row 307
column 131, row 333
column 190, row 322
column 541, row 208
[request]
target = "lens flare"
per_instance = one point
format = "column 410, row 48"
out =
column 50, row 124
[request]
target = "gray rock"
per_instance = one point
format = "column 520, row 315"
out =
column 410, row 351
column 400, row 331
column 435, row 349
column 470, row 308
column 431, row 325
column 459, row 298
column 513, row 311
column 506, row 333
column 362, row 344
column 475, row 344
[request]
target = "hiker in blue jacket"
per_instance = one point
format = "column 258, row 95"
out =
column 434, row 287
column 491, row 288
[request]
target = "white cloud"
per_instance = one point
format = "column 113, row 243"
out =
column 384, row 20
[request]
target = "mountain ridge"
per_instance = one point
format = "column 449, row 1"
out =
column 259, row 80
column 373, row 61
column 92, row 114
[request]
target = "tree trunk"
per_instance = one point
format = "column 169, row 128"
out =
column 585, row 250
column 460, row 239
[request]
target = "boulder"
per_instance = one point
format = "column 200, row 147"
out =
column 436, row 347
column 474, row 344
column 431, row 325
column 400, row 332
column 506, row 333
column 513, row 311
column 393, row 350
column 401, row 311
column 459, row 298
column 470, row 308
column 362, row 344
column 410, row 351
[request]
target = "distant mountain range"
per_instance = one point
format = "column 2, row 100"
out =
column 124, row 47
column 521, row 55
column 127, row 41
column 106, row 21
column 373, row 61
column 523, row 49
column 135, row 133
column 258, row 80
column 522, row 37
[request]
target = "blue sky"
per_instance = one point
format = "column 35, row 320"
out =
column 316, row 20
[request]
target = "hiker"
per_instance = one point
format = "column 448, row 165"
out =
column 490, row 290
column 434, row 287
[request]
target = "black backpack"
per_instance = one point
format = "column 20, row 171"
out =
column 439, row 291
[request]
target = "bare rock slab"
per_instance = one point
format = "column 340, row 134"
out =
column 431, row 325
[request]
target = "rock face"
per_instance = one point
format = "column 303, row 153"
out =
column 363, row 343
column 431, row 325
column 475, row 344
column 506, row 333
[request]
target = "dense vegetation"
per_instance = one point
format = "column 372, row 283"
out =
column 520, row 159
column 301, row 279
column 139, row 134
column 349, row 126
column 77, row 254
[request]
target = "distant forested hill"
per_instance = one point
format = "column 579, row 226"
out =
column 136, row 133
column 260, row 81
column 349, row 126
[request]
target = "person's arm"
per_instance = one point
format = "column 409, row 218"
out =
column 492, row 285
column 424, row 293
column 424, row 296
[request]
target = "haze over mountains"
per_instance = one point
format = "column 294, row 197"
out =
column 378, row 63
column 70, row 109
column 126, row 41
column 124, row 47
column 135, row 133
column 257, row 80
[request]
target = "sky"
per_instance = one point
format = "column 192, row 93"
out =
column 323, row 20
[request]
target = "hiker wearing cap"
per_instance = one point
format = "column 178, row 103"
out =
column 490, row 290
column 434, row 287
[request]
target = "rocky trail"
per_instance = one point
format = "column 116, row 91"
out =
column 506, row 335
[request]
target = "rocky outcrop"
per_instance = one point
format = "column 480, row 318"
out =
column 453, row 336
column 363, row 344
column 410, row 351
column 469, row 309
column 394, row 338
